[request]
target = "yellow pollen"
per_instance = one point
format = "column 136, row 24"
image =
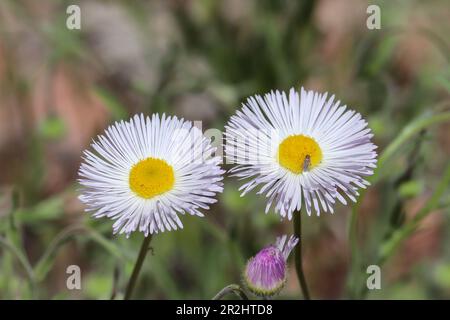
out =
column 299, row 153
column 151, row 177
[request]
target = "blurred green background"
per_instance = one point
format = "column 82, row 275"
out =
column 59, row 88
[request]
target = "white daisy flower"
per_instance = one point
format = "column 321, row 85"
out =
column 146, row 171
column 302, row 150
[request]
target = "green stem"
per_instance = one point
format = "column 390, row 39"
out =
column 137, row 267
column 23, row 261
column 116, row 276
column 298, row 255
column 407, row 133
column 413, row 128
column 390, row 246
column 398, row 236
column 42, row 266
column 232, row 288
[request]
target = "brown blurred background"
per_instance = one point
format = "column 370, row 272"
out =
column 59, row 88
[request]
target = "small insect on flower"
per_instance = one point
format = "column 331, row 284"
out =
column 146, row 171
column 306, row 163
column 302, row 150
column 265, row 273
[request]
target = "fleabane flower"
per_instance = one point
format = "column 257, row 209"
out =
column 265, row 273
column 144, row 172
column 302, row 150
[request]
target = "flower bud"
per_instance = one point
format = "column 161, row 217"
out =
column 265, row 273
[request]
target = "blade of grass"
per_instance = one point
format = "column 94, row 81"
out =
column 23, row 261
column 117, row 110
column 408, row 132
column 390, row 246
column 41, row 267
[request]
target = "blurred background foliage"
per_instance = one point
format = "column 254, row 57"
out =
column 199, row 59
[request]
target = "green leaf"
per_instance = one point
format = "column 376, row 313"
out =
column 442, row 275
column 444, row 82
column 411, row 189
column 52, row 128
column 98, row 286
column 45, row 210
column 117, row 110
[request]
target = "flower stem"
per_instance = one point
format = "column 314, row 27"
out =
column 21, row 257
column 137, row 266
column 298, row 255
column 232, row 288
column 392, row 243
column 408, row 132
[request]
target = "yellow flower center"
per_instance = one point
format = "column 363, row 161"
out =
column 151, row 177
column 299, row 153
